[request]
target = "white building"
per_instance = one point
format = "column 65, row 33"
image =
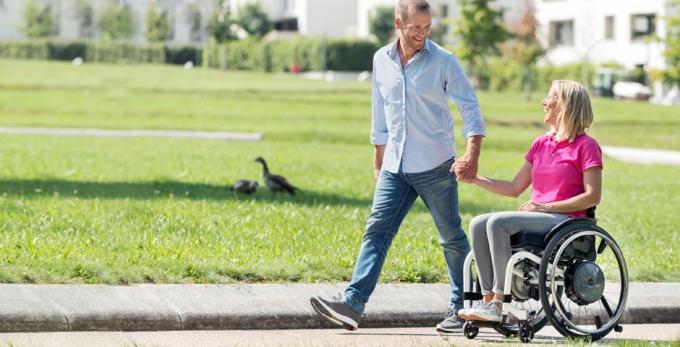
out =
column 602, row 31
column 68, row 17
column 335, row 18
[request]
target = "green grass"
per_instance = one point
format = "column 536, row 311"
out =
column 105, row 210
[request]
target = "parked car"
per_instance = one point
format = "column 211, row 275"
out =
column 631, row 90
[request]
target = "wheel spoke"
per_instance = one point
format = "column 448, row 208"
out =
column 608, row 309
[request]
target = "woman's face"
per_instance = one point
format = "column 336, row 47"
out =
column 551, row 108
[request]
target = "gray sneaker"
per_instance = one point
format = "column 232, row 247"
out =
column 451, row 323
column 336, row 311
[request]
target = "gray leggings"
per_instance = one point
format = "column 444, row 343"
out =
column 490, row 235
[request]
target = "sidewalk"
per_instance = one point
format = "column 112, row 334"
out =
column 643, row 156
column 27, row 307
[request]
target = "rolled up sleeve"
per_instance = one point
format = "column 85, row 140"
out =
column 379, row 132
column 459, row 89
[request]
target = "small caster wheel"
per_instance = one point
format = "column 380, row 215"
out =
column 470, row 331
column 525, row 333
column 618, row 328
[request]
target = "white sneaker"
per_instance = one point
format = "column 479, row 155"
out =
column 465, row 313
column 490, row 312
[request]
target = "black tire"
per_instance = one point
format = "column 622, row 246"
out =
column 545, row 291
column 509, row 330
column 525, row 333
column 470, row 331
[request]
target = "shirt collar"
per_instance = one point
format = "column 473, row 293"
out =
column 392, row 48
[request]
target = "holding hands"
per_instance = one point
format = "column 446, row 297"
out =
column 465, row 168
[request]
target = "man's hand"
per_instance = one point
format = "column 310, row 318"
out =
column 378, row 154
column 465, row 167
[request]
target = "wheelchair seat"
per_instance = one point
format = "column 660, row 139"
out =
column 539, row 239
column 526, row 239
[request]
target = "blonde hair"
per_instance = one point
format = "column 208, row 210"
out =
column 575, row 112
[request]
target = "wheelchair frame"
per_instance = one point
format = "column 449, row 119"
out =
column 555, row 243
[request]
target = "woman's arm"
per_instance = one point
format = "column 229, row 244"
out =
column 592, row 183
column 508, row 188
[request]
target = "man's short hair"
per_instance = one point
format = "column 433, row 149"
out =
column 401, row 10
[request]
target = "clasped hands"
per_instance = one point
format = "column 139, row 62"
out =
column 465, row 169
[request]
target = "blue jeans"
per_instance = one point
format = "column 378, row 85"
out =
column 395, row 193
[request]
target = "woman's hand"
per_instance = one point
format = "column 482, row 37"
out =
column 531, row 206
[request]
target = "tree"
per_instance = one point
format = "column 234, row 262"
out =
column 672, row 73
column 480, row 29
column 221, row 27
column 195, row 21
column 524, row 47
column 85, row 17
column 157, row 24
column 381, row 23
column 254, row 20
column 117, row 22
column 38, row 20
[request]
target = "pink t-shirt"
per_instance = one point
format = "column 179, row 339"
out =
column 557, row 167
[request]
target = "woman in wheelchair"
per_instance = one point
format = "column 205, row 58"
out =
column 564, row 168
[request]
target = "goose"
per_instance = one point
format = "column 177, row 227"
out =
column 275, row 182
column 245, row 186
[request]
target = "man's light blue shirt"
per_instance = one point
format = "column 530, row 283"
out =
column 411, row 113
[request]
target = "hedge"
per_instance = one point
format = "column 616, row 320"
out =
column 311, row 54
column 308, row 53
column 104, row 52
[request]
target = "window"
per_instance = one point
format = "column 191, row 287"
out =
column 609, row 28
column 443, row 11
column 642, row 25
column 289, row 7
column 562, row 33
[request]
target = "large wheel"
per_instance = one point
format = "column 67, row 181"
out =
column 583, row 281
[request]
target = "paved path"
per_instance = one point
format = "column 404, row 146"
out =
column 207, row 135
column 643, row 156
column 393, row 337
column 30, row 307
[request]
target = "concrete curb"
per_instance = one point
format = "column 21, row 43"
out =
column 31, row 308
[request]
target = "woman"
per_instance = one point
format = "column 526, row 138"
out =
column 564, row 168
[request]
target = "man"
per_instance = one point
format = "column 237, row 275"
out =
column 412, row 131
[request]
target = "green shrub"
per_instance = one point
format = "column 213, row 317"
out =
column 278, row 56
column 501, row 73
column 67, row 50
column 36, row 49
column 581, row 72
column 350, row 55
column 182, row 54
column 126, row 53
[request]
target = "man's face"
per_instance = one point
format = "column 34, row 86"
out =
column 415, row 29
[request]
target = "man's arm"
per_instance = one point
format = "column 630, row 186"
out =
column 378, row 154
column 459, row 89
column 379, row 133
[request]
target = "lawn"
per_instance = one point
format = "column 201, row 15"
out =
column 107, row 210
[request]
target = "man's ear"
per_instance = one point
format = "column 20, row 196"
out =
column 397, row 22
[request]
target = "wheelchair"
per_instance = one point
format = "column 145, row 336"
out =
column 574, row 277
